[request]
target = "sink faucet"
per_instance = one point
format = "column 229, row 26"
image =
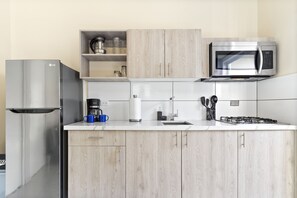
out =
column 172, row 115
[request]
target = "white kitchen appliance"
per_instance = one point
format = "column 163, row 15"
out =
column 135, row 109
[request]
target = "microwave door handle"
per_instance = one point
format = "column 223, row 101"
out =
column 261, row 60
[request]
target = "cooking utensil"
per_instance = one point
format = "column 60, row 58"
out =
column 210, row 108
column 202, row 99
column 207, row 103
column 213, row 100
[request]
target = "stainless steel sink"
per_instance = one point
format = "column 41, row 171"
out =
column 176, row 123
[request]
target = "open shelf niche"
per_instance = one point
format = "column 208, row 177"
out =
column 101, row 67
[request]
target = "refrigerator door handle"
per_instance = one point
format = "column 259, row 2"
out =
column 35, row 111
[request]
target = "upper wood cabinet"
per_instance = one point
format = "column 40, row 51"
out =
column 266, row 164
column 183, row 53
column 164, row 53
column 209, row 164
column 145, row 53
column 153, row 168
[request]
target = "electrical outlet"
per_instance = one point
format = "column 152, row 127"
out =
column 234, row 102
column 104, row 103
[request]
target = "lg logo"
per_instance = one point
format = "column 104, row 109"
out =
column 52, row 65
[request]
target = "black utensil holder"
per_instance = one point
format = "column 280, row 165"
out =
column 208, row 114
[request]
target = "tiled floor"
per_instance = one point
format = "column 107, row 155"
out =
column 45, row 182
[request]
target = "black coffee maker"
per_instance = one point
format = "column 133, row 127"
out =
column 93, row 107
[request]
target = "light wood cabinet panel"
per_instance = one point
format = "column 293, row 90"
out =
column 209, row 164
column 145, row 53
column 153, row 164
column 183, row 53
column 96, row 138
column 266, row 164
column 295, row 158
column 96, row 172
column 175, row 164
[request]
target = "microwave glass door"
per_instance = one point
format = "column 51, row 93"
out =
column 243, row 60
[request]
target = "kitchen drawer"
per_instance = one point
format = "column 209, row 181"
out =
column 96, row 138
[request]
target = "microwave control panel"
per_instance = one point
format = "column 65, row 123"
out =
column 267, row 59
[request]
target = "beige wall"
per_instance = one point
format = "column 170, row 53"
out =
column 49, row 28
column 278, row 19
column 4, row 54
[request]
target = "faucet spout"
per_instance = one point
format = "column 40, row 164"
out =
column 172, row 115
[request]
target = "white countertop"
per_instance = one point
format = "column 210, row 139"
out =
column 198, row 125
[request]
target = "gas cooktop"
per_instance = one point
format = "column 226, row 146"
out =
column 247, row 120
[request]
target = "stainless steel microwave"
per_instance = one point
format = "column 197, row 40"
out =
column 242, row 59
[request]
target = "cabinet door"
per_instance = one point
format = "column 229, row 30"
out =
column 153, row 164
column 96, row 172
column 183, row 53
column 145, row 53
column 266, row 164
column 209, row 164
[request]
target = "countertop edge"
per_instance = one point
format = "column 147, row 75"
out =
column 156, row 126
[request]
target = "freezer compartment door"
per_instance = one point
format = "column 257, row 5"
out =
column 32, row 83
column 32, row 154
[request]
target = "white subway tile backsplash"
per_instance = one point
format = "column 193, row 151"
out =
column 152, row 90
column 281, row 110
column 149, row 109
column 189, row 110
column 109, row 90
column 277, row 98
column 117, row 110
column 245, row 108
column 192, row 90
column 236, row 90
column 283, row 87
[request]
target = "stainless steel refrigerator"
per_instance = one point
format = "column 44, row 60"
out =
column 41, row 97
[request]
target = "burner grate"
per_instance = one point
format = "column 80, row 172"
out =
column 247, row 120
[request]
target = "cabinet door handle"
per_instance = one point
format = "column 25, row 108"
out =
column 160, row 69
column 119, row 154
column 168, row 69
column 176, row 139
column 95, row 138
column 242, row 140
column 186, row 139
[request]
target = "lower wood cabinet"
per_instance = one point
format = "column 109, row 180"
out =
column 266, row 164
column 181, row 164
column 96, row 171
column 153, row 164
column 209, row 164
